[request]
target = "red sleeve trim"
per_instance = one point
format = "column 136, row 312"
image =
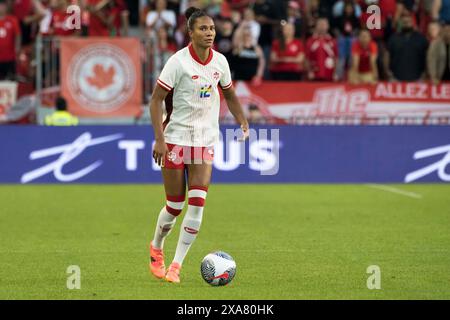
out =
column 227, row 86
column 163, row 85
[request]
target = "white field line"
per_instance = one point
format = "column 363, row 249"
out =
column 131, row 251
column 395, row 190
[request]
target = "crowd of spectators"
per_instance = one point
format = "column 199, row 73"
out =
column 289, row 40
column 318, row 40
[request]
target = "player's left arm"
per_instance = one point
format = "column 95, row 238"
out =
column 236, row 110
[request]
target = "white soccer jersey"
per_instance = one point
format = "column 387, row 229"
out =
column 193, row 102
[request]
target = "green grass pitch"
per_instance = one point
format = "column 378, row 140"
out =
column 289, row 242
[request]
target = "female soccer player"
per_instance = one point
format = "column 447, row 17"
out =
column 184, row 142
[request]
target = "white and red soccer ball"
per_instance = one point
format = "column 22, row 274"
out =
column 218, row 268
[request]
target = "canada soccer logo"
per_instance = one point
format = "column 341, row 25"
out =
column 171, row 156
column 101, row 78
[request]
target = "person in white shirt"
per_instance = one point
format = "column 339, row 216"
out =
column 160, row 17
column 249, row 22
column 189, row 84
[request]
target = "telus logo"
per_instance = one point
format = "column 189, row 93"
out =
column 438, row 166
column 67, row 152
column 228, row 156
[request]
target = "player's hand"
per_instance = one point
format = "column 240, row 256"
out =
column 245, row 132
column 159, row 151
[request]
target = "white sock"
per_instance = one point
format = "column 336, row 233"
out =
column 166, row 220
column 191, row 222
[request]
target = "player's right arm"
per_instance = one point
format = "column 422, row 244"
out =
column 167, row 80
column 160, row 148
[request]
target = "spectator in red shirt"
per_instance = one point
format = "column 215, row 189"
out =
column 364, row 60
column 29, row 13
column 10, row 39
column 117, row 11
column 321, row 53
column 100, row 19
column 388, row 8
column 287, row 55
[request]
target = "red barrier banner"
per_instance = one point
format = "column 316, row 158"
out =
column 339, row 103
column 101, row 77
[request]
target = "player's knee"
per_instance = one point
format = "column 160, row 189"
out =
column 175, row 204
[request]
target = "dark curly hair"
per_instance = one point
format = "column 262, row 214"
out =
column 192, row 14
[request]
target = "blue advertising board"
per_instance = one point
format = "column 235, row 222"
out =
column 285, row 154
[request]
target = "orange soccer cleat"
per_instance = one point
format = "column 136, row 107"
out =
column 173, row 273
column 156, row 264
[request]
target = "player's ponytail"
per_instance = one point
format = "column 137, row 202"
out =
column 191, row 14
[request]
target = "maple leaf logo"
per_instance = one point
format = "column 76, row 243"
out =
column 102, row 78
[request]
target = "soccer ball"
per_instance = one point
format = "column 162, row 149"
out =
column 218, row 268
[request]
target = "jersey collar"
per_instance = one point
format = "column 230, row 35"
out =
column 196, row 58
